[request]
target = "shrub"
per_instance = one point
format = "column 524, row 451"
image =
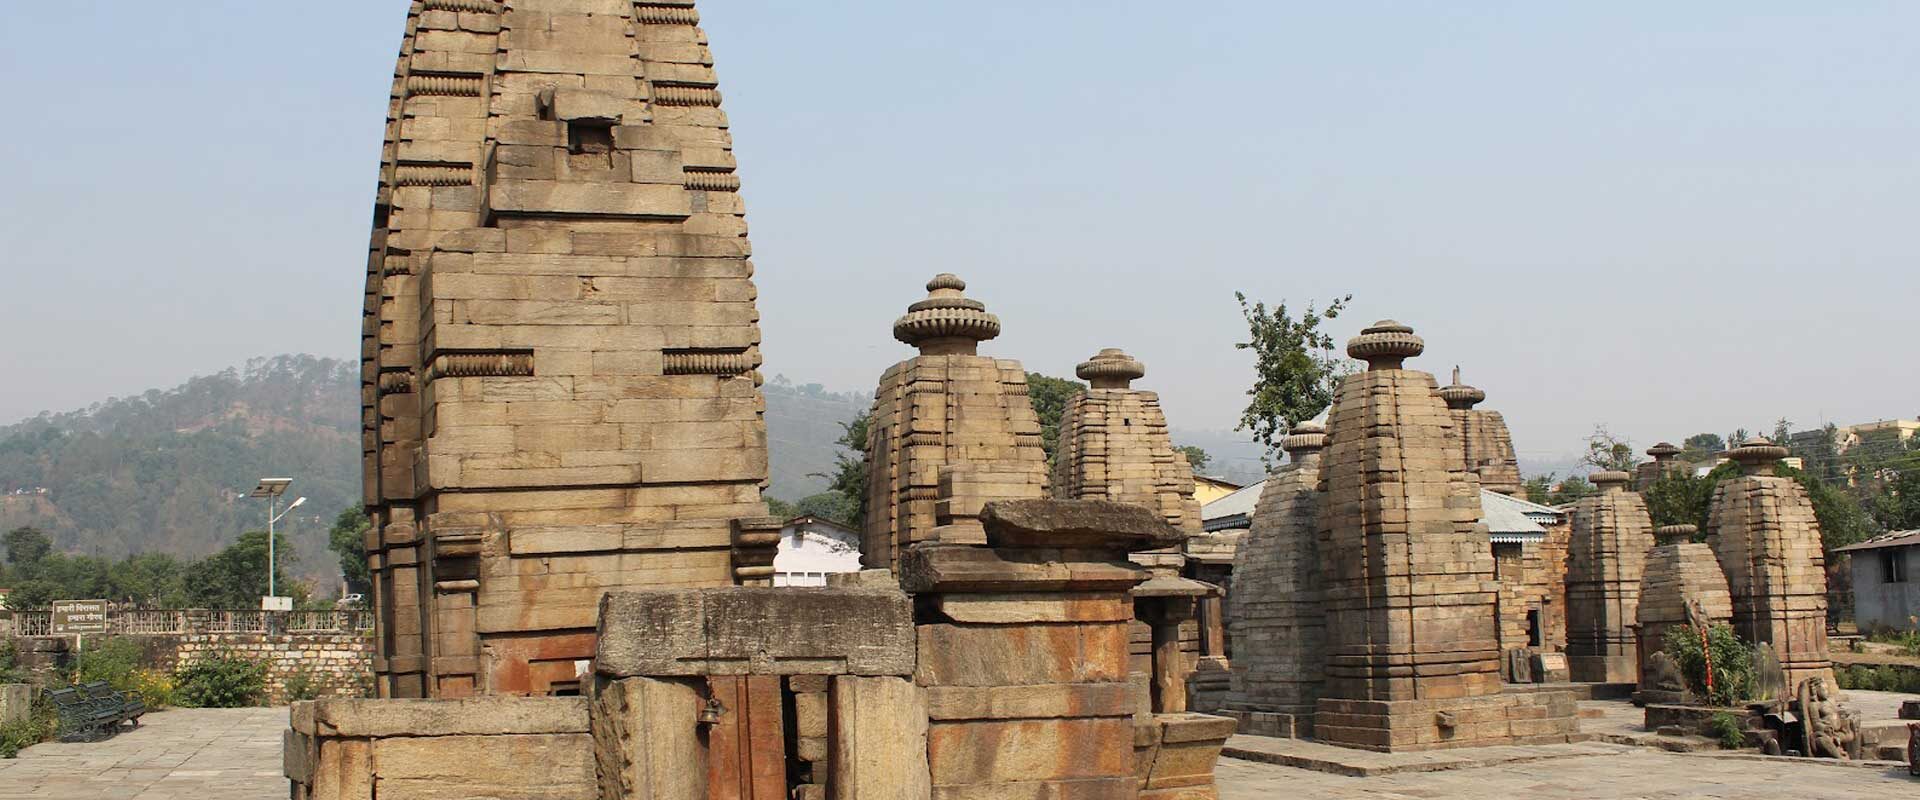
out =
column 154, row 687
column 112, row 660
column 302, row 685
column 1882, row 678
column 221, row 681
column 1732, row 664
column 10, row 669
column 38, row 727
column 1726, row 728
column 1908, row 641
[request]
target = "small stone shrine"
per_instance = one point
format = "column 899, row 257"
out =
column 1767, row 540
column 1606, row 559
column 949, row 429
column 1277, row 609
column 1682, row 585
column 1412, row 657
column 1665, row 462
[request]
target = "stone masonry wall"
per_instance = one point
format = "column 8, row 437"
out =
column 332, row 664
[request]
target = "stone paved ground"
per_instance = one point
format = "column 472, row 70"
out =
column 184, row 754
column 196, row 754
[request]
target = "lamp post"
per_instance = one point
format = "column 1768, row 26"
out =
column 272, row 489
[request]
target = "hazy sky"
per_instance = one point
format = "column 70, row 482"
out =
column 1668, row 217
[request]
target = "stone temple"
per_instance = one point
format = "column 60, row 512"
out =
column 560, row 339
column 1767, row 539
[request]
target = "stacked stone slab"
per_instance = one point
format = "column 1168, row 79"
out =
column 1412, row 659
column 1767, row 540
column 1485, row 443
column 560, row 338
column 1682, row 581
column 950, row 430
column 1666, row 461
column 1277, row 607
column 1606, row 559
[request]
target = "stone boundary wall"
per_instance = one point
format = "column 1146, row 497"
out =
column 335, row 664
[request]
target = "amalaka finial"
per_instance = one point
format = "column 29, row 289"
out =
column 1304, row 440
column 1663, row 451
column 1111, row 369
column 1385, row 345
column 1610, row 480
column 1758, row 455
column 1675, row 534
column 947, row 322
column 1459, row 396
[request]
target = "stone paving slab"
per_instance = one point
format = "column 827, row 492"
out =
column 1635, row 774
column 182, row 754
column 1318, row 757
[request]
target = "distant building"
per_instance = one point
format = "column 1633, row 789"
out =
column 1885, row 594
column 811, row 548
column 1207, row 489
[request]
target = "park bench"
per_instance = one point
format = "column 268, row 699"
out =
column 126, row 706
column 81, row 719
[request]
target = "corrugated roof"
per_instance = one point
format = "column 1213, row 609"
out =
column 1508, row 518
column 1232, row 511
column 1894, row 539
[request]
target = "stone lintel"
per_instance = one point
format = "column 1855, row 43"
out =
column 478, row 716
column 757, row 631
column 937, row 567
column 1088, row 524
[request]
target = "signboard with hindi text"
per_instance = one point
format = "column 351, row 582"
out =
column 72, row 617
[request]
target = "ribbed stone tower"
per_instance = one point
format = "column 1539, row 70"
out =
column 1767, row 539
column 1277, row 607
column 1665, row 461
column 560, row 338
column 1606, row 559
column 1114, row 445
column 1485, row 442
column 1680, row 573
column 1412, row 658
column 950, row 430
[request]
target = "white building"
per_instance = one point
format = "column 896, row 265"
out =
column 811, row 548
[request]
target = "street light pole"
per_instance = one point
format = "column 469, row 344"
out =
column 272, row 489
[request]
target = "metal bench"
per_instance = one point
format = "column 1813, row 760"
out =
column 126, row 706
column 81, row 719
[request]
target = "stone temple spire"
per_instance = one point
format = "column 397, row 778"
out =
column 1606, row 560
column 1279, row 617
column 1114, row 445
column 1767, row 540
column 947, row 322
column 1111, row 369
column 1486, row 445
column 1412, row 653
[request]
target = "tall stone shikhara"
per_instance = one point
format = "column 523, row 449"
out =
column 1277, row 608
column 1485, row 443
column 560, row 338
column 1606, row 559
column 950, row 430
column 1767, row 540
column 1412, row 657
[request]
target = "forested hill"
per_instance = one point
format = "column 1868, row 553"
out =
column 167, row 471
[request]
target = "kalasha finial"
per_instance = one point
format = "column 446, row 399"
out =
column 1385, row 344
column 1304, row 440
column 1663, row 451
column 1459, row 396
column 1111, row 369
column 1610, row 480
column 1675, row 534
column 1758, row 455
column 947, row 322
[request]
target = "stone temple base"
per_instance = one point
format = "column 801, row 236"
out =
column 1277, row 724
column 1604, row 669
column 1392, row 726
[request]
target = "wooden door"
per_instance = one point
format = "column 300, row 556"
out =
column 747, row 748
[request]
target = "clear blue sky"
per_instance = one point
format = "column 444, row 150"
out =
column 1668, row 217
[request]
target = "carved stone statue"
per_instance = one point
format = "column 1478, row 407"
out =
column 1663, row 674
column 1831, row 732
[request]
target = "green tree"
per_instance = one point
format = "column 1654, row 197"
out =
column 1843, row 519
column 1896, row 507
column 1680, row 498
column 1572, row 490
column 1196, row 457
column 1539, row 488
column 1700, row 446
column 1296, row 369
column 777, row 507
column 850, row 469
column 149, row 580
column 27, row 546
column 1608, row 452
column 348, row 540
column 830, row 505
column 236, row 577
column 1050, row 396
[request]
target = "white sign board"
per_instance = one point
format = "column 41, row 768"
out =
column 276, row 604
column 71, row 617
